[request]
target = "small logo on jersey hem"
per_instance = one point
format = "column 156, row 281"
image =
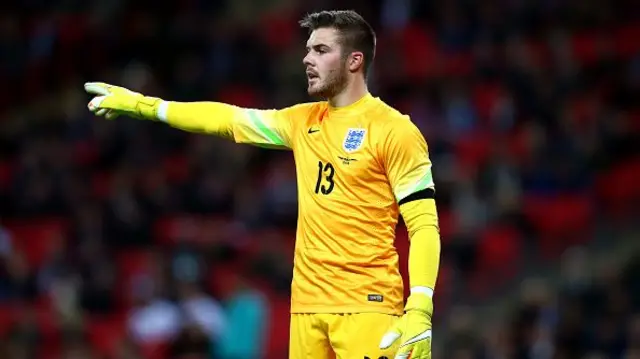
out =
column 313, row 130
column 354, row 139
column 375, row 298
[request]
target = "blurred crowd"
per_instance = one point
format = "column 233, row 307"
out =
column 129, row 239
column 592, row 312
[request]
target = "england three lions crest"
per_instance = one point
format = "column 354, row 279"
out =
column 354, row 139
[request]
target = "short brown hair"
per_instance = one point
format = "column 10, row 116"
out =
column 355, row 32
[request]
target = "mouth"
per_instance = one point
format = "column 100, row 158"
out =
column 312, row 75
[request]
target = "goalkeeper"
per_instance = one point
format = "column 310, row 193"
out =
column 360, row 164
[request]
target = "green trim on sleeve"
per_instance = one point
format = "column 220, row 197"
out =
column 425, row 182
column 260, row 126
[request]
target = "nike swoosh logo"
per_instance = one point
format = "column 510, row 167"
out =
column 417, row 338
column 311, row 130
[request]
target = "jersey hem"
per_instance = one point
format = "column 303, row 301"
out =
column 323, row 309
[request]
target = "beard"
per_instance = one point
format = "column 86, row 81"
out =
column 329, row 85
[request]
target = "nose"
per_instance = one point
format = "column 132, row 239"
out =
column 307, row 60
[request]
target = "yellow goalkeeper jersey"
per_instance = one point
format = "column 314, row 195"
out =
column 354, row 164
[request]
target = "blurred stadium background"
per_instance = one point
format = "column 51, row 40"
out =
column 129, row 239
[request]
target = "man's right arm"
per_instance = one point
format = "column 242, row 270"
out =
column 264, row 128
column 200, row 117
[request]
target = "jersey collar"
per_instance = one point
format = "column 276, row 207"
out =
column 353, row 108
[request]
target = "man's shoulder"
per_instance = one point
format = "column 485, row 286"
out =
column 387, row 114
column 387, row 120
column 307, row 108
column 393, row 126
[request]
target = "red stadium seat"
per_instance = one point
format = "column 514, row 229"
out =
column 473, row 149
column 196, row 230
column 38, row 238
column 498, row 258
column 72, row 29
column 626, row 42
column 172, row 229
column 8, row 317
column 458, row 64
column 101, row 184
column 447, row 222
column 223, row 280
column 105, row 333
column 499, row 250
column 243, row 96
column 85, row 153
column 584, row 111
column 634, row 121
column 176, row 168
column 6, row 174
column 485, row 98
column 46, row 316
column 587, row 47
column 49, row 324
column 443, row 293
column 277, row 343
column 561, row 221
column 130, row 264
column 155, row 350
column 278, row 30
column 402, row 247
column 618, row 189
column 539, row 52
column 518, row 145
column 420, row 52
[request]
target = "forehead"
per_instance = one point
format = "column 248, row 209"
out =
column 326, row 36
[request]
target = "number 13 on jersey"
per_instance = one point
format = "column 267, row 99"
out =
column 325, row 182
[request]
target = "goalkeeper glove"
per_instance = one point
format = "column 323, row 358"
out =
column 112, row 101
column 413, row 329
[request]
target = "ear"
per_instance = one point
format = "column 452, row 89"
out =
column 356, row 61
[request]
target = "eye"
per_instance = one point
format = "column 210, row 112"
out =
column 318, row 49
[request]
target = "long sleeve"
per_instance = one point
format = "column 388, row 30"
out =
column 201, row 117
column 421, row 219
column 409, row 170
column 264, row 128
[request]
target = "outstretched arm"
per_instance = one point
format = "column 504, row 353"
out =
column 265, row 128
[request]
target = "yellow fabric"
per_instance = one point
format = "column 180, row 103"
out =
column 406, row 158
column 345, row 260
column 203, row 117
column 421, row 219
column 353, row 165
column 265, row 128
column 413, row 331
column 328, row 336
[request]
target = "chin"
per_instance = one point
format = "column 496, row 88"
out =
column 314, row 92
column 318, row 92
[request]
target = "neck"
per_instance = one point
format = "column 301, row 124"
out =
column 354, row 91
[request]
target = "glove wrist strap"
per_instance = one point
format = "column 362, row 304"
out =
column 148, row 107
column 420, row 302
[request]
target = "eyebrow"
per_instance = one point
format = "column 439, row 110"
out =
column 317, row 46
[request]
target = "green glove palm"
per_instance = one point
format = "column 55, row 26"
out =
column 413, row 329
column 113, row 101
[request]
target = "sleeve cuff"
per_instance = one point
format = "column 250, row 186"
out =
column 422, row 290
column 163, row 108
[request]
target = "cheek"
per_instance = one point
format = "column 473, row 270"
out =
column 330, row 64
